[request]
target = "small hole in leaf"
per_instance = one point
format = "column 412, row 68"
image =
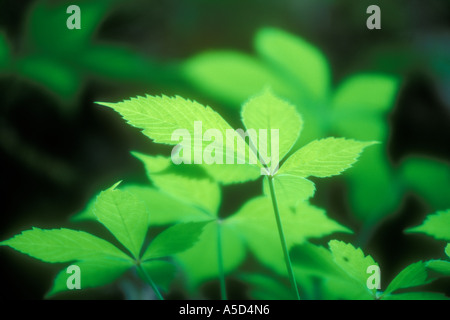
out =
column 345, row 259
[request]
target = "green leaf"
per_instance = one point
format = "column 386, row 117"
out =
column 232, row 173
column 429, row 178
column 93, row 273
column 263, row 287
column 200, row 262
column 175, row 239
column 297, row 59
column 436, row 225
column 231, row 76
column 63, row 245
column 290, row 190
column 417, row 296
column 51, row 74
column 268, row 112
column 178, row 183
column 163, row 208
column 365, row 94
column 5, row 54
column 364, row 184
column 125, row 216
column 352, row 261
column 447, row 250
column 87, row 213
column 161, row 272
column 413, row 275
column 169, row 120
column 256, row 222
column 439, row 266
column 324, row 158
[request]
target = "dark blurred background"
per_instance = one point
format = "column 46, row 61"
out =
column 58, row 148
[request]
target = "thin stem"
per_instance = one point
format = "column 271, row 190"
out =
column 150, row 281
column 287, row 259
column 223, row 289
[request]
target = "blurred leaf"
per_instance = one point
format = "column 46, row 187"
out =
column 161, row 117
column 439, row 266
column 429, row 178
column 63, row 245
column 255, row 221
column 231, row 76
column 125, row 216
column 175, row 239
column 417, row 296
column 5, row 54
column 93, row 273
column 364, row 184
column 114, row 62
column 201, row 261
column 268, row 112
column 296, row 59
column 49, row 18
column 165, row 209
column 162, row 272
column 324, row 158
column 51, row 74
column 436, row 225
column 413, row 275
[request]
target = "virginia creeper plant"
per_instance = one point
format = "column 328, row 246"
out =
column 274, row 227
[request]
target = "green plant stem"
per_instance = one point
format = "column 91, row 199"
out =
column 150, row 281
column 287, row 259
column 223, row 289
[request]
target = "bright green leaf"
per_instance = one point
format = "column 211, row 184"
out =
column 290, row 190
column 352, row 261
column 169, row 120
column 163, row 208
column 201, row 261
column 175, row 239
column 93, row 273
column 125, row 216
column 324, row 158
column 436, row 225
column 178, row 182
column 268, row 112
column 63, row 245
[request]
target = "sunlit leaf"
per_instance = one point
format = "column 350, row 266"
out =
column 324, row 158
column 125, row 216
column 267, row 112
column 436, row 225
column 175, row 239
column 93, row 273
column 63, row 245
column 352, row 261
